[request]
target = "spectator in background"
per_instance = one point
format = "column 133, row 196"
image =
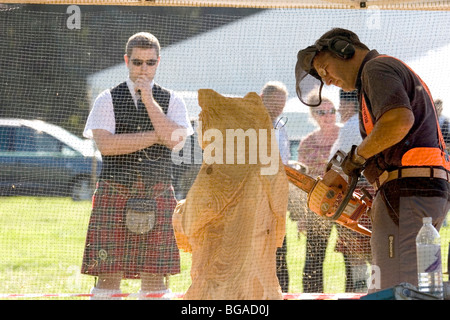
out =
column 444, row 122
column 348, row 109
column 130, row 233
column 274, row 95
column 314, row 151
column 354, row 247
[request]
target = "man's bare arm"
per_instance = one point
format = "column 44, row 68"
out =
column 390, row 129
column 116, row 144
column 164, row 127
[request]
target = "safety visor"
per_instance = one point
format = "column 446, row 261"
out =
column 308, row 82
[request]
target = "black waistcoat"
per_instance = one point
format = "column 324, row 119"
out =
column 153, row 164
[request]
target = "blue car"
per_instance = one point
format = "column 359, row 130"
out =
column 42, row 159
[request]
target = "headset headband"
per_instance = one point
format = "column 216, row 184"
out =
column 341, row 46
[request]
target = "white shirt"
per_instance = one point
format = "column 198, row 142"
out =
column 282, row 139
column 349, row 135
column 102, row 113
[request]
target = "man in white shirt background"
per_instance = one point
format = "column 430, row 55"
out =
column 274, row 95
column 130, row 234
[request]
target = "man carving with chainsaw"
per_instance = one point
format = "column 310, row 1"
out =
column 402, row 153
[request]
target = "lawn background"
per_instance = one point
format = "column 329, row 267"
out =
column 42, row 240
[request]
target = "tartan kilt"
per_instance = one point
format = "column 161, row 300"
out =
column 111, row 248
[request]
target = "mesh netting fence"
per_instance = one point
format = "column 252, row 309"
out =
column 58, row 59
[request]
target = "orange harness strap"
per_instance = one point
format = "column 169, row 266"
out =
column 366, row 117
column 416, row 156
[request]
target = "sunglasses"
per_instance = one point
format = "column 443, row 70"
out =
column 324, row 112
column 138, row 62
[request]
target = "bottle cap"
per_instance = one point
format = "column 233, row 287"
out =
column 427, row 219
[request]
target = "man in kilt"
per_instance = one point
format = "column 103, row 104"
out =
column 135, row 125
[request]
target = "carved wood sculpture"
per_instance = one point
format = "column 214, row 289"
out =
column 233, row 218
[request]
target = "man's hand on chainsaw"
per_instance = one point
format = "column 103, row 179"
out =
column 353, row 164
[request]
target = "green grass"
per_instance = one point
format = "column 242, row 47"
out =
column 333, row 266
column 42, row 240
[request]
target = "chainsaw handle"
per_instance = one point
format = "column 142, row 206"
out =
column 351, row 187
column 337, row 159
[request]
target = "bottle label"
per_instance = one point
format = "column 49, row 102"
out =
column 429, row 258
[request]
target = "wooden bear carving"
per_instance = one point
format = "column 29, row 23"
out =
column 233, row 218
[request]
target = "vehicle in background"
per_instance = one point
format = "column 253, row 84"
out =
column 41, row 159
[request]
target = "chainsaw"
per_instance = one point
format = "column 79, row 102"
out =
column 333, row 197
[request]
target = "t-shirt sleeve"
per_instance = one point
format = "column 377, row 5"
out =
column 101, row 115
column 178, row 113
column 384, row 84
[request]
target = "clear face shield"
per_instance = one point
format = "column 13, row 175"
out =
column 308, row 82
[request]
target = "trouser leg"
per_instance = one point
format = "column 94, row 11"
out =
column 393, row 244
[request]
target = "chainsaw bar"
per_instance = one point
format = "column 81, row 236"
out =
column 300, row 180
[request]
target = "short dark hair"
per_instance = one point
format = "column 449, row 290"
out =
column 350, row 35
column 142, row 40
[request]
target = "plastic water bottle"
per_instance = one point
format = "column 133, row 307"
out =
column 429, row 265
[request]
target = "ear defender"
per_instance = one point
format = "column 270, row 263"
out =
column 341, row 47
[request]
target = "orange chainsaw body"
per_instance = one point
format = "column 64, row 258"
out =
column 325, row 195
